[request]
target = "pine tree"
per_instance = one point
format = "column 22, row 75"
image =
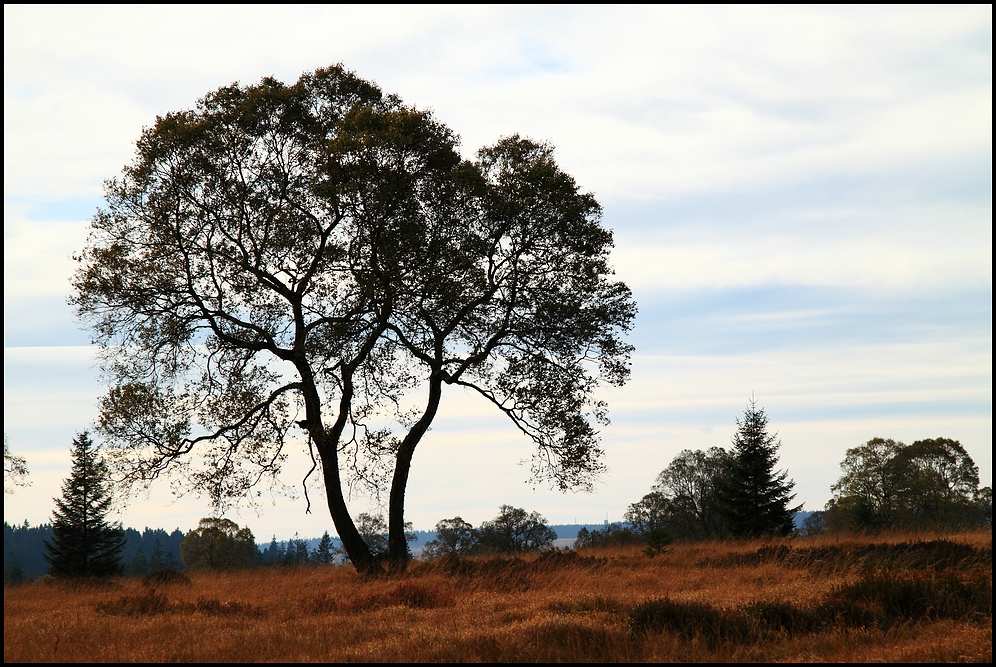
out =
column 753, row 497
column 156, row 562
column 325, row 553
column 138, row 565
column 84, row 543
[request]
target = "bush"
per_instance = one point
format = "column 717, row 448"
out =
column 887, row 598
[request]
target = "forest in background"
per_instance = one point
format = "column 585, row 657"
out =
column 154, row 549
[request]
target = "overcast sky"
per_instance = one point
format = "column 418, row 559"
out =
column 801, row 199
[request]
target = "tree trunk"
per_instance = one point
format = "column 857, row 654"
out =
column 326, row 442
column 397, row 549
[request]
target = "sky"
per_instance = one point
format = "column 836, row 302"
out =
column 801, row 201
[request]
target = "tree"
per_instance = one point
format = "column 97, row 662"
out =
column 320, row 250
column 866, row 494
column 297, row 552
column 138, row 565
column 689, row 484
column 753, row 497
column 15, row 468
column 612, row 535
column 157, row 561
column 326, row 553
column 650, row 518
column 515, row 531
column 218, row 544
column 888, row 484
column 373, row 528
column 453, row 536
column 274, row 554
column 938, row 482
column 814, row 524
column 84, row 543
column 984, row 505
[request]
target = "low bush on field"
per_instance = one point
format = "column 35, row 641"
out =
column 152, row 602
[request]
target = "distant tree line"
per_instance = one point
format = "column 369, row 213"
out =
column 151, row 550
column 885, row 484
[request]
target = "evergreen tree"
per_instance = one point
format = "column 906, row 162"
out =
column 753, row 498
column 218, row 544
column 156, row 561
column 275, row 552
column 325, row 554
column 84, row 543
column 138, row 565
column 171, row 562
column 13, row 572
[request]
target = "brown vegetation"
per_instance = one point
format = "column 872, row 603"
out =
column 907, row 598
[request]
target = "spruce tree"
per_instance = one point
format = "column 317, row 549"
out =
column 325, row 554
column 84, row 543
column 753, row 497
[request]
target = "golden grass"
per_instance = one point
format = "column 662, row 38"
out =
column 561, row 607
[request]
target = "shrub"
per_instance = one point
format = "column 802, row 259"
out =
column 167, row 577
column 689, row 620
column 147, row 604
column 888, row 598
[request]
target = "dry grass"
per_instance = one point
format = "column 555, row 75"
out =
column 902, row 598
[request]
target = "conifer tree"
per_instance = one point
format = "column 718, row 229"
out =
column 156, row 561
column 325, row 554
column 84, row 543
column 753, row 497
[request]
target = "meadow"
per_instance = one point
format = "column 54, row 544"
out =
column 896, row 598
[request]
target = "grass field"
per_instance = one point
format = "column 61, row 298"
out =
column 899, row 598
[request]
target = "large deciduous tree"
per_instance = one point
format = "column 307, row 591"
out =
column 84, row 543
column 218, row 544
column 867, row 493
column 515, row 531
column 753, row 496
column 453, row 537
column 689, row 484
column 888, row 484
column 319, row 255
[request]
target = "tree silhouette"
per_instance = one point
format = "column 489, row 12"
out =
column 888, row 484
column 453, row 536
column 218, row 544
column 321, row 250
column 326, row 552
column 753, row 498
column 515, row 531
column 84, row 543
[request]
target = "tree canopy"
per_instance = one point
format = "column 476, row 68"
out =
column 218, row 544
column 319, row 255
column 84, row 543
column 886, row 483
column 515, row 530
column 453, row 537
